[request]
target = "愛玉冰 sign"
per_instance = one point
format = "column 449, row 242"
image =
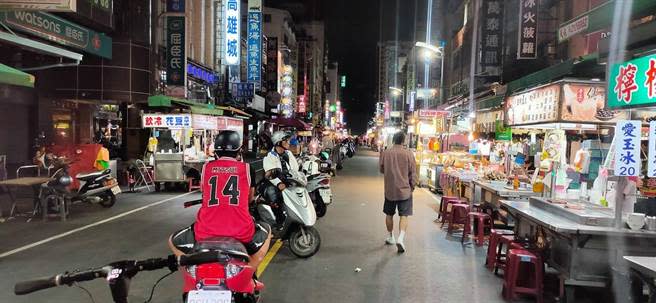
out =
column 627, row 148
column 53, row 28
column 535, row 106
column 39, row 5
column 173, row 121
column 528, row 29
column 492, row 32
column 651, row 154
column 232, row 28
column 632, row 83
column 254, row 46
column 175, row 51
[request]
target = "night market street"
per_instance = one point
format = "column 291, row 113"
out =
column 435, row 268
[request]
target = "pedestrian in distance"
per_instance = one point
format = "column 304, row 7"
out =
column 398, row 166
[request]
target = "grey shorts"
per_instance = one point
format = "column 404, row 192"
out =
column 404, row 207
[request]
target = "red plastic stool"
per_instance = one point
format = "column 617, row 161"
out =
column 458, row 215
column 501, row 258
column 532, row 285
column 447, row 213
column 193, row 186
column 484, row 220
column 443, row 206
column 495, row 236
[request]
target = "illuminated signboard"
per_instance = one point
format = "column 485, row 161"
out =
column 232, row 27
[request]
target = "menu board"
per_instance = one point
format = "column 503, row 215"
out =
column 584, row 102
column 535, row 106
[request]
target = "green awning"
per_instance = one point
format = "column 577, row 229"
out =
column 202, row 110
column 570, row 67
column 195, row 107
column 601, row 16
column 13, row 76
column 490, row 102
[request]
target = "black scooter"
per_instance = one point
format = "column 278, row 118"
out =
column 95, row 187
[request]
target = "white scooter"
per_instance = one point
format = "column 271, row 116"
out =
column 318, row 184
column 298, row 228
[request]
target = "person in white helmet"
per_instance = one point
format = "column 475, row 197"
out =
column 278, row 162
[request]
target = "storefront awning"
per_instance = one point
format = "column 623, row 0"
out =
column 551, row 73
column 490, row 102
column 602, row 17
column 39, row 47
column 13, row 76
column 195, row 107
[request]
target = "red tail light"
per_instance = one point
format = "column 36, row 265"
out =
column 325, row 181
column 240, row 280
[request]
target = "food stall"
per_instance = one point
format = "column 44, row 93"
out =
column 180, row 144
column 427, row 125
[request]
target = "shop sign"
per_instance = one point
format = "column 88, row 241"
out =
column 572, row 28
column 627, row 148
column 633, row 83
column 272, row 64
column 528, row 29
column 98, row 11
column 175, row 51
column 201, row 73
column 254, row 58
column 175, row 6
column 232, row 28
column 61, row 31
column 225, row 123
column 172, row 121
column 535, row 106
column 502, row 133
column 651, row 155
column 204, row 122
column 39, row 5
column 492, row 32
column 301, row 105
column 583, row 102
column 431, row 113
column 243, row 90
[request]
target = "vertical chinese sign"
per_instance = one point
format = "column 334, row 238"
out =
column 492, row 32
column 232, row 32
column 272, row 64
column 175, row 56
column 254, row 42
column 651, row 155
column 627, row 148
column 632, row 83
column 528, row 29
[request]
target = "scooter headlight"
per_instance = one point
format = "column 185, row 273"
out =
column 65, row 180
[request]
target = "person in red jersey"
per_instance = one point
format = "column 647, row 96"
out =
column 228, row 188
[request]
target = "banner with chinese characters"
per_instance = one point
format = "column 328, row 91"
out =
column 627, row 148
column 172, row 121
column 584, row 103
column 528, row 29
column 272, row 64
column 492, row 32
column 254, row 57
column 535, row 106
column 632, row 83
column 232, row 27
column 175, row 51
column 651, row 154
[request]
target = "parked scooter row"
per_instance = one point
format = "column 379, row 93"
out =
column 318, row 172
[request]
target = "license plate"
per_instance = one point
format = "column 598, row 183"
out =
column 209, row 296
column 324, row 165
column 325, row 195
column 116, row 190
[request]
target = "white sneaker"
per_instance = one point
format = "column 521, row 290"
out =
column 401, row 247
column 390, row 241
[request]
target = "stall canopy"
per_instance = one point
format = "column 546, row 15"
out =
column 291, row 122
column 195, row 107
column 13, row 76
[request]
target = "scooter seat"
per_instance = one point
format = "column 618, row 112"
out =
column 91, row 175
column 227, row 244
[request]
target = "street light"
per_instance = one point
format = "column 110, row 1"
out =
column 429, row 51
column 396, row 91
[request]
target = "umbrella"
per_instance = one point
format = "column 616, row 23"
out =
column 291, row 122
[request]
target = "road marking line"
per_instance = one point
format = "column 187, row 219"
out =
column 268, row 257
column 70, row 232
column 431, row 194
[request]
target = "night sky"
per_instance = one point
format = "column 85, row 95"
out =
column 352, row 29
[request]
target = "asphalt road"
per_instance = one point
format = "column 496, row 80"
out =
column 435, row 268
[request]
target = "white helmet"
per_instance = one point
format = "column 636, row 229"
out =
column 278, row 137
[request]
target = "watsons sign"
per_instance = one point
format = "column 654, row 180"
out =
column 61, row 31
